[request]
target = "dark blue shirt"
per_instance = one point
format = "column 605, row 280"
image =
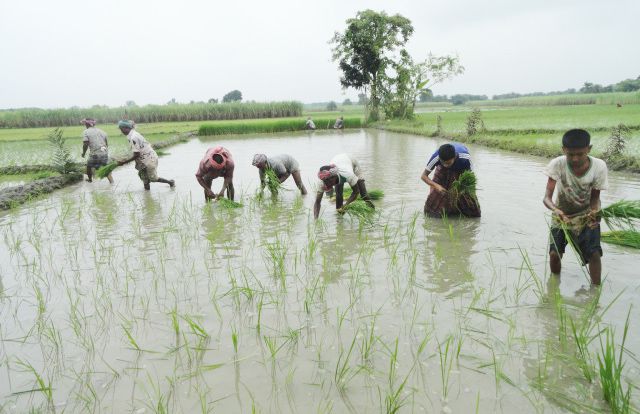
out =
column 462, row 162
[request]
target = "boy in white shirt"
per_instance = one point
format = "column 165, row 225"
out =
column 579, row 178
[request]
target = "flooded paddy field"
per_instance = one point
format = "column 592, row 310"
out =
column 113, row 299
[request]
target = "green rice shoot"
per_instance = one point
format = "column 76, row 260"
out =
column 272, row 181
column 105, row 170
column 359, row 209
column 629, row 238
column 464, row 186
column 161, row 153
column 373, row 194
column 619, row 215
column 226, row 203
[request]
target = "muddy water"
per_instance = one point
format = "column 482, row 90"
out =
column 122, row 300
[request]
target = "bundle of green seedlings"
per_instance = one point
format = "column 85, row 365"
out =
column 360, row 209
column 226, row 203
column 620, row 219
column 464, row 186
column 105, row 170
column 272, row 181
column 373, row 194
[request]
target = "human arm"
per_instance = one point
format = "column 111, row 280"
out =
column 228, row 181
column 135, row 156
column 548, row 202
column 85, row 146
column 316, row 205
column 594, row 207
column 431, row 183
column 262, row 178
column 204, row 185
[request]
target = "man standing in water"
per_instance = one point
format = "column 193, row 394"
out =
column 449, row 161
column 341, row 169
column 95, row 140
column 579, row 178
column 145, row 157
column 217, row 162
column 283, row 165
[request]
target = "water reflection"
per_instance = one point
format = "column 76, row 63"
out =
column 450, row 244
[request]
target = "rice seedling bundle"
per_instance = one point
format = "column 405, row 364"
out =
column 373, row 194
column 628, row 238
column 226, row 203
column 272, row 181
column 621, row 215
column 359, row 209
column 464, row 186
column 105, row 170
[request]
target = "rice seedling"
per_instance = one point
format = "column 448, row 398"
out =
column 620, row 215
column 463, row 187
column 228, row 204
column 629, row 238
column 359, row 209
column 373, row 194
column 610, row 368
column 272, row 182
column 105, row 170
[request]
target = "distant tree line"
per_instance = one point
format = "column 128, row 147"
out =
column 627, row 85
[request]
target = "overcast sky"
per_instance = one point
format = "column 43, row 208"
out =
column 83, row 52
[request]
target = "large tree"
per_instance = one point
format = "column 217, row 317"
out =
column 233, row 96
column 369, row 44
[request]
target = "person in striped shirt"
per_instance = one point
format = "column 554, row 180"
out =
column 448, row 162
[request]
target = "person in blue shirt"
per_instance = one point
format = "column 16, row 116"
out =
column 449, row 161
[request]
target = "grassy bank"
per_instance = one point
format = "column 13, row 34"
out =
column 272, row 125
column 35, row 117
column 535, row 131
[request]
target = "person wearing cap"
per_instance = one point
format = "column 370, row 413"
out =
column 143, row 154
column 217, row 162
column 448, row 161
column 340, row 170
column 284, row 165
column 95, row 140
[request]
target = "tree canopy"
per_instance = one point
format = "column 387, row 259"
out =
column 366, row 49
column 233, row 96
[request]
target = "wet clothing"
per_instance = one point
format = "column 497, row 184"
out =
column 283, row 164
column 438, row 204
column 96, row 140
column 97, row 161
column 573, row 194
column 209, row 171
column 462, row 162
column 347, row 169
column 147, row 161
column 586, row 242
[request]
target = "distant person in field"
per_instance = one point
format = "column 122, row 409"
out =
column 217, row 162
column 283, row 165
column 339, row 123
column 578, row 179
column 143, row 154
column 449, row 162
column 309, row 124
column 340, row 170
column 95, row 140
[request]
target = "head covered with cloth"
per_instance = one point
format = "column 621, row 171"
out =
column 126, row 125
column 88, row 122
column 329, row 176
column 259, row 160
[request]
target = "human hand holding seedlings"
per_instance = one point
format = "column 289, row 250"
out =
column 439, row 188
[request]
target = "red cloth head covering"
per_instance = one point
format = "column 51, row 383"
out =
column 218, row 151
column 88, row 122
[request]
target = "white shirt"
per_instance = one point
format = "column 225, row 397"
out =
column 346, row 171
column 573, row 194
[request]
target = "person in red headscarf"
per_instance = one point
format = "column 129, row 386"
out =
column 217, row 162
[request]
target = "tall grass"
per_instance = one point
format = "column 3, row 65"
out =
column 625, row 98
column 35, row 117
column 271, row 125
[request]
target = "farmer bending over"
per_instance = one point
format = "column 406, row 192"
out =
column 95, row 140
column 309, row 124
column 342, row 169
column 339, row 123
column 578, row 178
column 283, row 165
column 217, row 162
column 145, row 157
column 449, row 162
